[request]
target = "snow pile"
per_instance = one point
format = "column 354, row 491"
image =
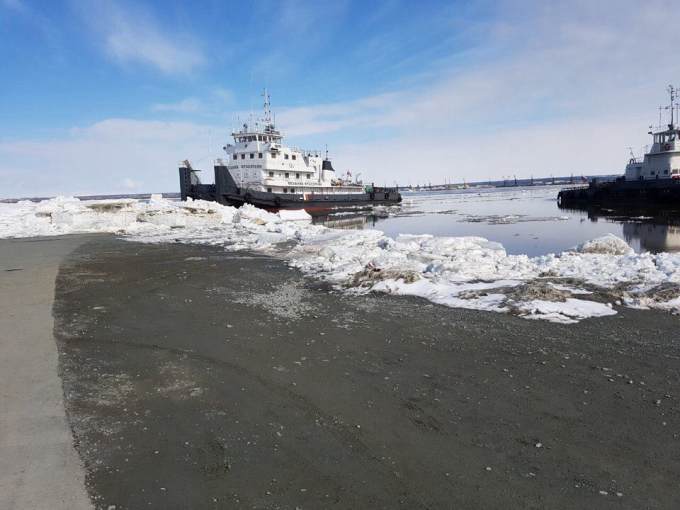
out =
column 465, row 272
column 472, row 272
column 608, row 244
column 158, row 220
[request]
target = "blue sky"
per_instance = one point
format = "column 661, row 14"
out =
column 107, row 96
column 73, row 63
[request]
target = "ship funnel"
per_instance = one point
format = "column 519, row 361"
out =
column 326, row 165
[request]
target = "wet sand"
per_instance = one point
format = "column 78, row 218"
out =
column 39, row 467
column 196, row 378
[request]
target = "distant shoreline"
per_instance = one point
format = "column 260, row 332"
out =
column 502, row 183
column 138, row 196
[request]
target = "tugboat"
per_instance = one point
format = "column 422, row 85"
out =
column 653, row 181
column 259, row 169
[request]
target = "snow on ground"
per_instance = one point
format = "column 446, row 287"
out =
column 464, row 272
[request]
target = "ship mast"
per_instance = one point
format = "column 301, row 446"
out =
column 267, row 108
column 672, row 92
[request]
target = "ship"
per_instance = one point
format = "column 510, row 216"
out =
column 650, row 181
column 258, row 168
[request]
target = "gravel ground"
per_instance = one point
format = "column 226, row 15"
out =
column 196, row 378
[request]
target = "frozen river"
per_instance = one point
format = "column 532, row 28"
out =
column 509, row 251
column 524, row 220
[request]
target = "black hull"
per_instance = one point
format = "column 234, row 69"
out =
column 226, row 192
column 633, row 194
column 316, row 203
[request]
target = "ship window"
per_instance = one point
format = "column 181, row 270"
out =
column 271, row 174
column 309, row 176
column 259, row 155
column 285, row 156
column 294, row 156
column 235, row 156
column 243, row 156
column 285, row 190
column 273, row 155
column 665, row 172
column 269, row 190
column 252, row 155
column 286, row 175
column 292, row 190
column 297, row 176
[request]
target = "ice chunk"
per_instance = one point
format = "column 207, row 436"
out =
column 608, row 244
column 567, row 312
column 294, row 215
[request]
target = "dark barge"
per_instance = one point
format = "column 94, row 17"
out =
column 623, row 193
column 653, row 180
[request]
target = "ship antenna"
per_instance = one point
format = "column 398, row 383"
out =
column 672, row 92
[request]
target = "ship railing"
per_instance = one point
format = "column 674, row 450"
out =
column 307, row 152
column 577, row 187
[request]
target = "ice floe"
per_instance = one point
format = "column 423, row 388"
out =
column 462, row 272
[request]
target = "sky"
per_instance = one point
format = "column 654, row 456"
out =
column 108, row 96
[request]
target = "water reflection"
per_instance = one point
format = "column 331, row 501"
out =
column 651, row 237
column 645, row 229
column 346, row 221
column 524, row 221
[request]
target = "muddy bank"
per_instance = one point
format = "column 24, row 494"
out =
column 197, row 378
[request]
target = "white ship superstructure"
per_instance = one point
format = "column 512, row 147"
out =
column 258, row 160
column 662, row 161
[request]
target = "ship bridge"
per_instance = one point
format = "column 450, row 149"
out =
column 268, row 134
column 666, row 140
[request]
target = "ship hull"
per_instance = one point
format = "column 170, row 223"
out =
column 620, row 193
column 315, row 202
column 226, row 191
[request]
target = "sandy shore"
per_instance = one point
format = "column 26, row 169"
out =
column 39, row 467
column 202, row 379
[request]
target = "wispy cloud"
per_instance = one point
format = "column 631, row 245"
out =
column 555, row 89
column 561, row 89
column 212, row 103
column 133, row 35
column 188, row 105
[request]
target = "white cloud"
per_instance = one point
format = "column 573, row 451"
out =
column 132, row 35
column 101, row 157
